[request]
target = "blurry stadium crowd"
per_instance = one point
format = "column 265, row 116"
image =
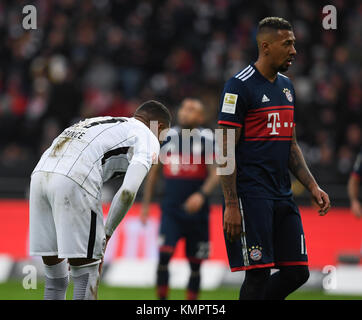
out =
column 103, row 57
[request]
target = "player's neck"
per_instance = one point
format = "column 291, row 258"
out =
column 266, row 70
column 142, row 119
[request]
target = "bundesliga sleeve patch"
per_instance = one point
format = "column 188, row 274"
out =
column 229, row 104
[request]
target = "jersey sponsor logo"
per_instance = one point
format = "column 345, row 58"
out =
column 229, row 104
column 176, row 169
column 273, row 122
column 269, row 123
column 288, row 94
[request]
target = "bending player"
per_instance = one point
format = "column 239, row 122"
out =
column 185, row 208
column 262, row 223
column 66, row 218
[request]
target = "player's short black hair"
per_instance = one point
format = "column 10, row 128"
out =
column 154, row 110
column 275, row 23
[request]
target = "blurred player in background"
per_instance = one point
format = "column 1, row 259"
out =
column 185, row 208
column 353, row 186
column 66, row 218
column 262, row 223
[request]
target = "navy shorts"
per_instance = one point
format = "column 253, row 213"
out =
column 195, row 231
column 272, row 235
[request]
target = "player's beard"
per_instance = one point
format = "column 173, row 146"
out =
column 283, row 67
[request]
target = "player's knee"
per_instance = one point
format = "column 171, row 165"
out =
column 296, row 274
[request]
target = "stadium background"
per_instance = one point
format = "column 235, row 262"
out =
column 90, row 58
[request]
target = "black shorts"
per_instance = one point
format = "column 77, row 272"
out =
column 195, row 231
column 272, row 235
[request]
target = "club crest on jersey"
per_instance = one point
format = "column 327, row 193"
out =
column 255, row 253
column 288, row 94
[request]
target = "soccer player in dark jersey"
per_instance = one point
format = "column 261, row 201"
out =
column 353, row 186
column 262, row 224
column 185, row 208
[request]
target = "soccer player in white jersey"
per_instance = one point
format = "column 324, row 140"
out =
column 66, row 218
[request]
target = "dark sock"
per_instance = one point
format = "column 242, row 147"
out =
column 285, row 281
column 163, row 276
column 193, row 287
column 253, row 287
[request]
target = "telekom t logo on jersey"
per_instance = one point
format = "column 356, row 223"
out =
column 273, row 122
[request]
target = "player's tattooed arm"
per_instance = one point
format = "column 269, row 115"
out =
column 228, row 182
column 232, row 217
column 298, row 166
column 300, row 170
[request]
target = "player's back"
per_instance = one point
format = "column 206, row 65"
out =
column 97, row 149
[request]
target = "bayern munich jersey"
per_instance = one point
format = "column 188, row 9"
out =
column 265, row 112
column 97, row 149
column 185, row 166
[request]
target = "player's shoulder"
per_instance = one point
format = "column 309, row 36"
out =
column 284, row 79
column 243, row 79
column 246, row 74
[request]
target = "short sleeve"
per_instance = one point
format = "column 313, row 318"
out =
column 294, row 104
column 233, row 104
column 146, row 149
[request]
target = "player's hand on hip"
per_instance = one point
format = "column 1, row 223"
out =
column 194, row 203
column 322, row 200
column 232, row 223
column 356, row 208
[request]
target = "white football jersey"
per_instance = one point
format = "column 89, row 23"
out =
column 97, row 149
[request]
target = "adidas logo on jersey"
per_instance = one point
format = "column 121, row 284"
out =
column 265, row 98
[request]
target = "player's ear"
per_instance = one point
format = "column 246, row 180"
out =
column 162, row 129
column 265, row 47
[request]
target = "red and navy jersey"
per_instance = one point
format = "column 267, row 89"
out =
column 185, row 165
column 265, row 112
column 357, row 167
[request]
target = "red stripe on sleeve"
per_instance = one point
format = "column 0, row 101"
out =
column 234, row 124
column 356, row 175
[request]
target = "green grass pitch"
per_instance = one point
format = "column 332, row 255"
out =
column 13, row 290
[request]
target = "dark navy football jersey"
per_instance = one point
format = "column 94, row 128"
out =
column 357, row 167
column 265, row 112
column 185, row 166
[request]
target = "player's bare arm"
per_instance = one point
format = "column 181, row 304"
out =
column 148, row 190
column 299, row 168
column 195, row 201
column 353, row 192
column 232, row 218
